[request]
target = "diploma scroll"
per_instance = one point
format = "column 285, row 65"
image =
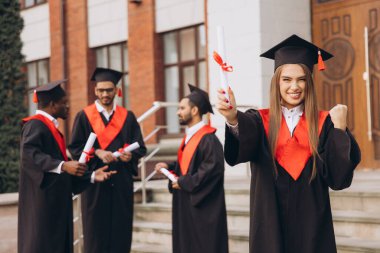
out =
column 220, row 58
column 84, row 157
column 129, row 148
column 169, row 175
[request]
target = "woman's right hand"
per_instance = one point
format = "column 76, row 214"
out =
column 227, row 108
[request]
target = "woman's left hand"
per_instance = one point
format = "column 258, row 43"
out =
column 338, row 116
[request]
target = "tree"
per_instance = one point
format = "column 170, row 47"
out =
column 12, row 93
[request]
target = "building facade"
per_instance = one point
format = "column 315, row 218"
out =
column 161, row 45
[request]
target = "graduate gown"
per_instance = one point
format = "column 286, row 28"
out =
column 45, row 215
column 199, row 210
column 287, row 215
column 107, row 208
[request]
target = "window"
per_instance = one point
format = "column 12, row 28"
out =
column 116, row 57
column 30, row 3
column 37, row 74
column 184, row 62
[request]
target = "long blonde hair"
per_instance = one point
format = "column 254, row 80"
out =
column 311, row 114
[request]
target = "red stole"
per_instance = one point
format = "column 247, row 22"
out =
column 186, row 154
column 54, row 131
column 293, row 152
column 106, row 134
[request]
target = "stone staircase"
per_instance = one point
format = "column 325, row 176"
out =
column 356, row 213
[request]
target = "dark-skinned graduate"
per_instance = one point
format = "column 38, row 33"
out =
column 47, row 178
column 199, row 209
column 297, row 153
column 107, row 209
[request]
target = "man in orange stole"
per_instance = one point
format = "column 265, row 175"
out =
column 107, row 209
column 199, row 210
column 47, row 178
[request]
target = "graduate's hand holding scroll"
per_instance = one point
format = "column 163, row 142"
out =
column 158, row 168
column 338, row 116
column 227, row 108
column 74, row 168
column 105, row 156
column 125, row 156
column 102, row 175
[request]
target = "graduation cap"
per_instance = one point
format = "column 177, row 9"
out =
column 49, row 92
column 200, row 99
column 295, row 50
column 102, row 74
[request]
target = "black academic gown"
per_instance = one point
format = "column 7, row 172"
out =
column 290, row 216
column 199, row 209
column 107, row 208
column 45, row 217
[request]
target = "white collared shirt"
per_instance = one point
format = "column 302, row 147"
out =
column 57, row 170
column 103, row 111
column 292, row 116
column 190, row 131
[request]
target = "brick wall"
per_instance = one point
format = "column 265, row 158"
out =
column 70, row 56
column 144, row 60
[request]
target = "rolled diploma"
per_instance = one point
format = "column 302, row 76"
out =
column 169, row 175
column 130, row 148
column 90, row 142
column 221, row 52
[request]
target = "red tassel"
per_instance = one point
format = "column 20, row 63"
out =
column 35, row 98
column 119, row 92
column 321, row 64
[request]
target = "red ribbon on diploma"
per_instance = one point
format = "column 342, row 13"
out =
column 221, row 63
column 121, row 150
column 89, row 154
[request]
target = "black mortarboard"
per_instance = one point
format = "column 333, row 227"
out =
column 200, row 99
column 102, row 74
column 49, row 92
column 295, row 50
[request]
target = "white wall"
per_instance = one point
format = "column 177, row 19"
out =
column 174, row 14
column 250, row 28
column 107, row 22
column 292, row 17
column 241, row 22
column 36, row 33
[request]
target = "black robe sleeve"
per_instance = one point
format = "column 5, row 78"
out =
column 79, row 136
column 340, row 154
column 201, row 181
column 136, row 136
column 34, row 157
column 240, row 150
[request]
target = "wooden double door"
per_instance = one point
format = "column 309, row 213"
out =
column 338, row 26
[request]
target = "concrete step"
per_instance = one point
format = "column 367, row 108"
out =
column 357, row 224
column 236, row 194
column 354, row 245
column 237, row 216
column 360, row 197
column 150, row 248
column 159, row 233
column 344, row 245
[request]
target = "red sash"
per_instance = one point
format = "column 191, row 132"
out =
column 53, row 130
column 186, row 154
column 292, row 153
column 106, row 134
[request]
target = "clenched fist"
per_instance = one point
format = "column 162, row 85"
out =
column 338, row 116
